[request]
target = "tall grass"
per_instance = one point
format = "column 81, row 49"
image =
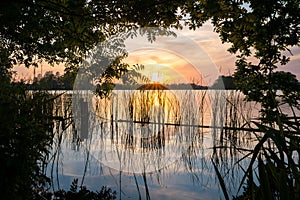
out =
column 273, row 168
column 277, row 154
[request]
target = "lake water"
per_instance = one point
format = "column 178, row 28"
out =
column 152, row 144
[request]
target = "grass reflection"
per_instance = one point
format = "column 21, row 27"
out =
column 154, row 135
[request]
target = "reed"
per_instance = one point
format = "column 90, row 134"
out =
column 138, row 123
column 273, row 169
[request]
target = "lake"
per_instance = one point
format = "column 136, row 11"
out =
column 152, row 144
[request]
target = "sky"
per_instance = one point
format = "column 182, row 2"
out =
column 193, row 56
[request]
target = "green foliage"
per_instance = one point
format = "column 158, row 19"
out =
column 64, row 31
column 267, row 27
column 273, row 171
column 104, row 90
column 256, row 29
column 271, row 89
column 25, row 139
column 261, row 33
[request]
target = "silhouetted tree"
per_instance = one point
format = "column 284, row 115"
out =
column 262, row 34
column 224, row 82
column 264, row 30
column 65, row 31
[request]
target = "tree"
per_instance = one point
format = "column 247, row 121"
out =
column 265, row 30
column 224, row 82
column 26, row 130
column 54, row 31
column 64, row 31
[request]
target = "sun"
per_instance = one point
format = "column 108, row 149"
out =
column 157, row 73
column 161, row 66
column 161, row 73
column 156, row 77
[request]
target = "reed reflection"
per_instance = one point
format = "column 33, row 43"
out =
column 143, row 133
column 153, row 135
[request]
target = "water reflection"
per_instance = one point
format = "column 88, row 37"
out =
column 143, row 132
column 151, row 143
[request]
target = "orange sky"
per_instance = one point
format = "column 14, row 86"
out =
column 193, row 55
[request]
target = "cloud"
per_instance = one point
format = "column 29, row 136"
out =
column 184, row 54
column 198, row 53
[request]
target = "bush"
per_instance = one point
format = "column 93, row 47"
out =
column 25, row 139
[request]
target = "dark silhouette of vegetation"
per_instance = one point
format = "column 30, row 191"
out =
column 65, row 31
column 260, row 30
column 224, row 82
column 81, row 193
column 55, row 32
column 52, row 81
column 263, row 30
column 25, row 140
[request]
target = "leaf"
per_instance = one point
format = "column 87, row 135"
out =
column 74, row 185
column 265, row 188
column 221, row 180
column 256, row 151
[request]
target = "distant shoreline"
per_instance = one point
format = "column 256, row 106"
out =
column 142, row 87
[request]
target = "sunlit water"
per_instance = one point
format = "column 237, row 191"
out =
column 152, row 144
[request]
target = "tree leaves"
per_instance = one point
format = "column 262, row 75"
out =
column 259, row 29
column 64, row 31
column 25, row 139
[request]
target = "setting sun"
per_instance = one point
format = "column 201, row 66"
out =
column 156, row 78
column 163, row 66
column 179, row 59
